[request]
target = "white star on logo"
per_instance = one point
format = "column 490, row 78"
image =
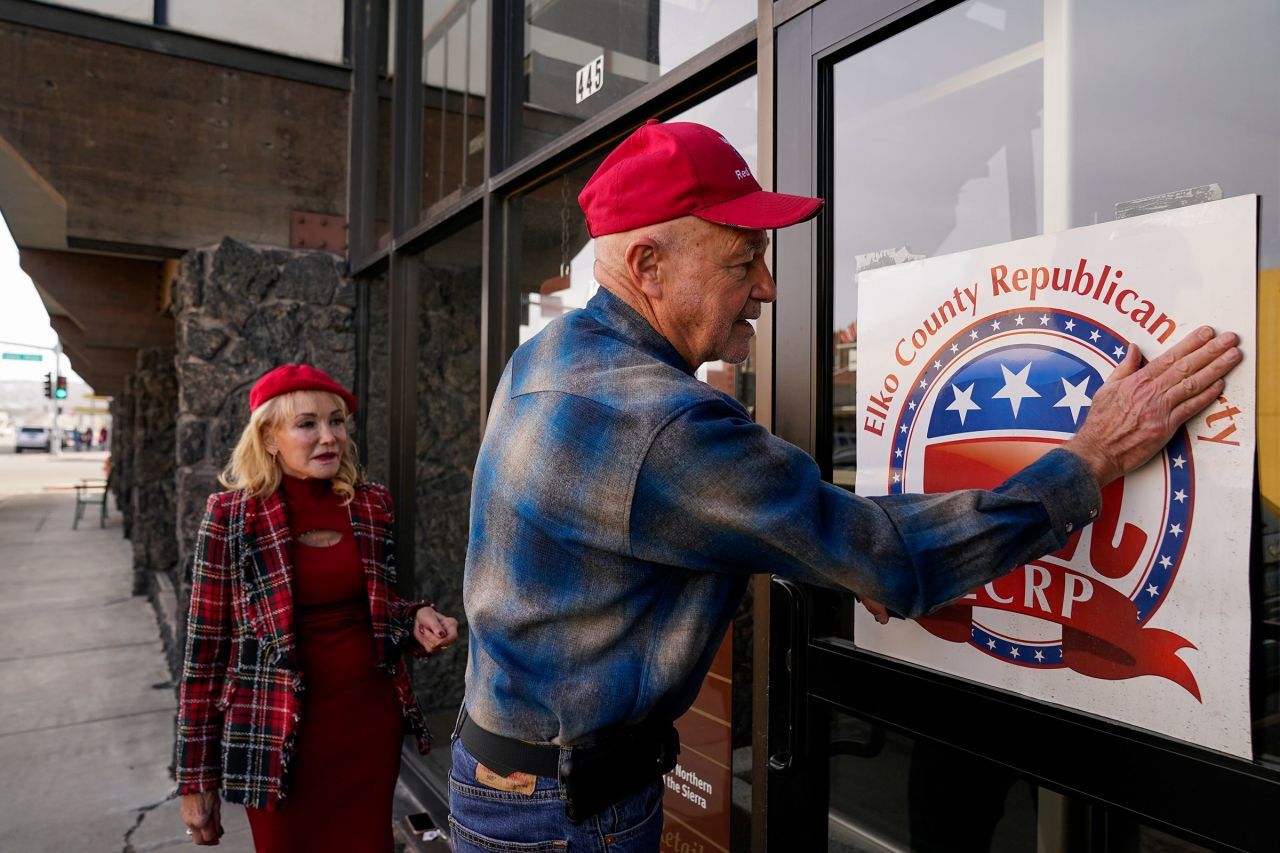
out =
column 1152, row 589
column 1094, row 335
column 1165, row 562
column 1178, row 462
column 1017, row 321
column 1013, row 652
column 974, row 334
column 991, row 644
column 1175, row 529
column 963, row 403
column 1180, row 496
column 995, row 325
column 1015, row 388
column 912, row 404
column 1074, row 398
column 1044, row 320
column 1069, row 325
column 898, row 453
column 955, row 348
column 1118, row 352
column 937, row 365
column 897, row 479
column 903, row 428
column 1039, row 655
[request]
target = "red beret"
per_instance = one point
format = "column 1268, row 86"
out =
column 665, row 171
column 296, row 377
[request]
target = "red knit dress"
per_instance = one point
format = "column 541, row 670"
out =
column 347, row 758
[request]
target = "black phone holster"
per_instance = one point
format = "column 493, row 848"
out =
column 598, row 776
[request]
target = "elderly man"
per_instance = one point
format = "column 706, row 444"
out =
column 620, row 505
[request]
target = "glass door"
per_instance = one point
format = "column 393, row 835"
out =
column 934, row 128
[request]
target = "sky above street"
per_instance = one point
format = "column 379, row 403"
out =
column 23, row 319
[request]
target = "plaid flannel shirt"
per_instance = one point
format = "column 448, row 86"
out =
column 619, row 506
column 239, row 704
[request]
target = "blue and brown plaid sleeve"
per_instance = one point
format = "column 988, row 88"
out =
column 717, row 492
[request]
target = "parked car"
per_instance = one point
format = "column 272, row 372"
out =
column 33, row 438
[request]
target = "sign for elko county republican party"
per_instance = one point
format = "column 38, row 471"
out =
column 973, row 365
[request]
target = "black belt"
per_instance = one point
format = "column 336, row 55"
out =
column 505, row 755
column 594, row 776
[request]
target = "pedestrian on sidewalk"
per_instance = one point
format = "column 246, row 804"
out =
column 620, row 505
column 293, row 586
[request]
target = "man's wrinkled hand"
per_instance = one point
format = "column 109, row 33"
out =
column 1138, row 409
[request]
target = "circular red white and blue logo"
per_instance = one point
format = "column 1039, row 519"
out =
column 995, row 397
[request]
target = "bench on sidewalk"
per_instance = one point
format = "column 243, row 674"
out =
column 90, row 493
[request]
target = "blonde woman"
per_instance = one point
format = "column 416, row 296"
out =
column 293, row 588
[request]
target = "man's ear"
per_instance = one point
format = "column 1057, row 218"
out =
column 643, row 268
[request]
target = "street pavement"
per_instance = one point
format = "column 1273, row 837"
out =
column 86, row 702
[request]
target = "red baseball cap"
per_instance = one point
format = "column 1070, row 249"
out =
column 665, row 171
column 296, row 377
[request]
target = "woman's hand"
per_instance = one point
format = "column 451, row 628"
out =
column 202, row 813
column 433, row 630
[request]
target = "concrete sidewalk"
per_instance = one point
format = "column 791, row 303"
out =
column 86, row 704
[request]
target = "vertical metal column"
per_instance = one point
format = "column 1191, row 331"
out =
column 362, row 18
column 406, row 195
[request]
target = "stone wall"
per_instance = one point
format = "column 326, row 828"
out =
column 448, row 440
column 121, row 476
column 154, row 392
column 241, row 310
column 376, row 439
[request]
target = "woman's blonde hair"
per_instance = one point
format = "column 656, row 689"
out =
column 252, row 468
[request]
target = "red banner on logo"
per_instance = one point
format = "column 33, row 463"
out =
column 1101, row 634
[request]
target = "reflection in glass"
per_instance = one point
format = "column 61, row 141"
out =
column 619, row 46
column 892, row 791
column 989, row 122
column 453, row 76
column 447, row 439
column 303, row 28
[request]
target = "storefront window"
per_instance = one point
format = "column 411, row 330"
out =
column 992, row 122
column 446, row 443
column 453, row 77
column 581, row 56
column 554, row 270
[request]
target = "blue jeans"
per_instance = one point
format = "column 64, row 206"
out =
column 484, row 819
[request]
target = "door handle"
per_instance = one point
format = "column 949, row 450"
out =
column 786, row 661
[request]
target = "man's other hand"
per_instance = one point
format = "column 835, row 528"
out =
column 876, row 609
column 1137, row 410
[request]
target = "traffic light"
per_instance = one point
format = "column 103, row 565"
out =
column 48, row 386
column 61, row 391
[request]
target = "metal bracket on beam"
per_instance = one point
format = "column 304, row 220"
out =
column 325, row 231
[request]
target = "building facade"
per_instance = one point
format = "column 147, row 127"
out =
column 463, row 133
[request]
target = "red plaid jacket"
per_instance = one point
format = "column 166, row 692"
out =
column 239, row 703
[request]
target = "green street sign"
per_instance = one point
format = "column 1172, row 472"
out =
column 22, row 356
